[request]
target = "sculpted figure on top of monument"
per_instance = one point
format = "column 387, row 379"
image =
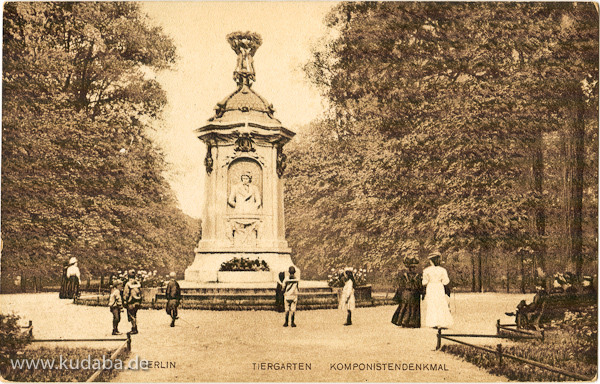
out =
column 245, row 45
column 244, row 196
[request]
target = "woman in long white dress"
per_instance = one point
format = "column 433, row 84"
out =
column 347, row 301
column 435, row 278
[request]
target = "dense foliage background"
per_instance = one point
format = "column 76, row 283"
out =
column 466, row 127
column 79, row 175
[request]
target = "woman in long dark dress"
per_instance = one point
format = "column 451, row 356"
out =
column 410, row 289
column 279, row 304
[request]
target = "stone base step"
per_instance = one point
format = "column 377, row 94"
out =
column 232, row 305
column 244, row 291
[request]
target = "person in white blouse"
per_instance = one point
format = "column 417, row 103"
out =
column 347, row 300
column 74, row 279
column 435, row 278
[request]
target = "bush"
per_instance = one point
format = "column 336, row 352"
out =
column 12, row 340
column 73, row 357
column 333, row 279
column 147, row 279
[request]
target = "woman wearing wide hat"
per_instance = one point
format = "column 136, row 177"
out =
column 408, row 295
column 435, row 278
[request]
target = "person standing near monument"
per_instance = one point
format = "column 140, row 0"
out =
column 115, row 303
column 347, row 300
column 64, row 282
column 244, row 196
column 279, row 305
column 435, row 278
column 290, row 296
column 408, row 313
column 173, row 294
column 132, row 297
column 74, row 278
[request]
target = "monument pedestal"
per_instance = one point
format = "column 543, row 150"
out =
column 206, row 267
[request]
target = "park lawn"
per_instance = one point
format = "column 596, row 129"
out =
column 77, row 367
column 570, row 344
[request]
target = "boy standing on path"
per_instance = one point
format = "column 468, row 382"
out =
column 290, row 296
column 115, row 303
column 132, row 297
column 173, row 294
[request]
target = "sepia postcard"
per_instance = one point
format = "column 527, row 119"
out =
column 288, row 191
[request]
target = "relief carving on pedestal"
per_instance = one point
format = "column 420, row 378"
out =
column 244, row 201
column 244, row 232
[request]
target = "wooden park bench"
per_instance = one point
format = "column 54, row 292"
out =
column 547, row 307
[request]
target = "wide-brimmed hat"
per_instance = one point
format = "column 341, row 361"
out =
column 72, row 260
column 434, row 254
column 410, row 261
column 172, row 274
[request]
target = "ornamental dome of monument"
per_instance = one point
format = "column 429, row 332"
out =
column 246, row 99
column 244, row 104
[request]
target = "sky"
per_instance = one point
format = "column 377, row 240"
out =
column 203, row 75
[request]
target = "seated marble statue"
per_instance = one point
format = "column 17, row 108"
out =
column 244, row 196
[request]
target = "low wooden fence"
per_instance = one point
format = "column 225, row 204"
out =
column 517, row 333
column 125, row 347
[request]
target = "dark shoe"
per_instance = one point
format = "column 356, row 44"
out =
column 134, row 331
column 293, row 325
column 285, row 324
column 347, row 323
column 116, row 333
column 172, row 324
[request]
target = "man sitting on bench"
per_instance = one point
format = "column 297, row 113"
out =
column 528, row 315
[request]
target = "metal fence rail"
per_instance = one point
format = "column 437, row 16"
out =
column 513, row 328
column 126, row 346
column 500, row 354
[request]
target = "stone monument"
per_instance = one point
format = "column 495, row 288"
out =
column 243, row 198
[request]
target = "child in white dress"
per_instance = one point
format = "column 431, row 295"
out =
column 347, row 301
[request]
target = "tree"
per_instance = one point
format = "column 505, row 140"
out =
column 79, row 176
column 450, row 98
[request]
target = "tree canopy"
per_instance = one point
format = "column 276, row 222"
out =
column 79, row 175
column 435, row 110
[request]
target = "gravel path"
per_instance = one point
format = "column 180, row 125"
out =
column 249, row 346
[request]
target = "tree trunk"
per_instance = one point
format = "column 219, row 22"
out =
column 507, row 275
column 473, row 272
column 479, row 277
column 540, row 214
column 522, row 272
column 567, row 176
column 577, row 185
